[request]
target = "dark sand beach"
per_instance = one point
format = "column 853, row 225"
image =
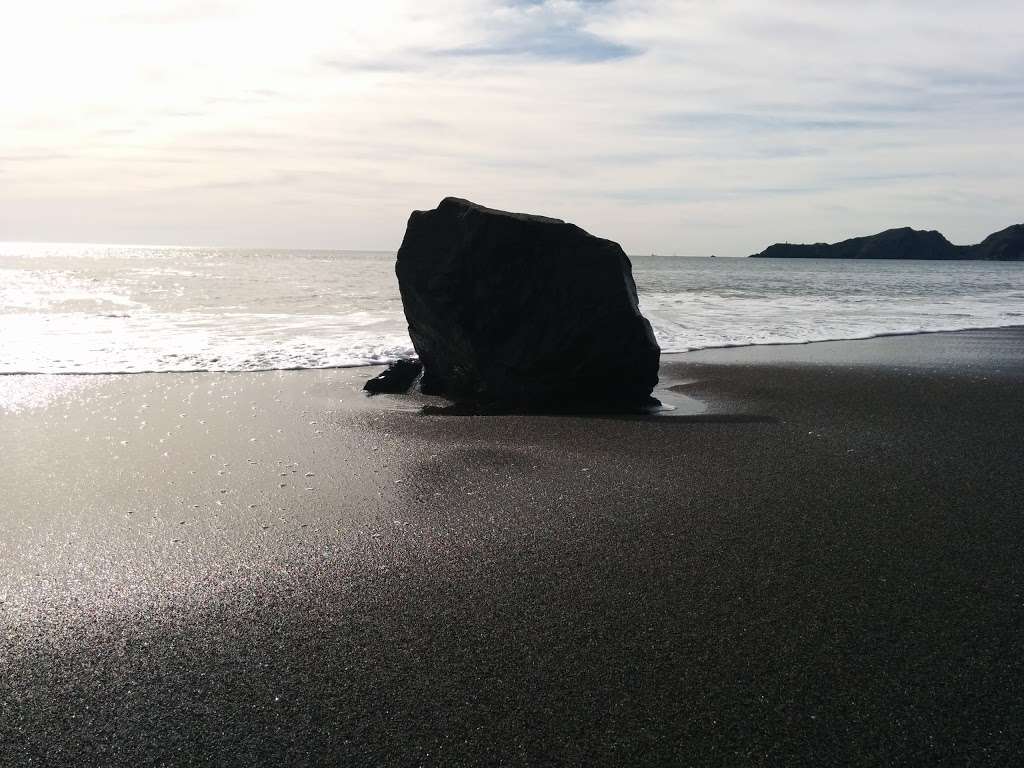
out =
column 817, row 559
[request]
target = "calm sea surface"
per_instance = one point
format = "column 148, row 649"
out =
column 105, row 309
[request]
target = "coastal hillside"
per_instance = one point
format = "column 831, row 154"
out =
column 907, row 243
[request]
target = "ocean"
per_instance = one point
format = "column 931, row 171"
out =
column 126, row 309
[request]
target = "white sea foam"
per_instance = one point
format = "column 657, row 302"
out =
column 153, row 341
column 95, row 309
column 723, row 322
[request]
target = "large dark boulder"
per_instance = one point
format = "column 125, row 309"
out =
column 523, row 310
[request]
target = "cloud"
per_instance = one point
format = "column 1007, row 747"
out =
column 567, row 44
column 553, row 30
column 547, row 31
column 753, row 122
column 661, row 123
column 540, row 30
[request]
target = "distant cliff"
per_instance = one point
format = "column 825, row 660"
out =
column 907, row 243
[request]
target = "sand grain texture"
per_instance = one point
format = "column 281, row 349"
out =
column 824, row 567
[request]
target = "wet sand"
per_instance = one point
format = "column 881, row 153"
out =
column 817, row 559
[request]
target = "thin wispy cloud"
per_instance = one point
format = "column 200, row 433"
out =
column 763, row 122
column 672, row 126
column 552, row 31
column 557, row 44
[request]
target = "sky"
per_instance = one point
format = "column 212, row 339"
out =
column 684, row 127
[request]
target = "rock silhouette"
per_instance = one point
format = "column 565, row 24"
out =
column 526, row 311
column 907, row 243
column 1004, row 245
column 396, row 378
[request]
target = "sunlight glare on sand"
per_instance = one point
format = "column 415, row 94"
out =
column 21, row 393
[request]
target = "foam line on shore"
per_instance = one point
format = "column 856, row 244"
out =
column 377, row 363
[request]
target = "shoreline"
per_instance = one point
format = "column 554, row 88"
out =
column 819, row 567
column 883, row 335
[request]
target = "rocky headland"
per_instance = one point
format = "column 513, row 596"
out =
column 907, row 243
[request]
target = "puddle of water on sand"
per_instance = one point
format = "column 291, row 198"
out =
column 675, row 403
